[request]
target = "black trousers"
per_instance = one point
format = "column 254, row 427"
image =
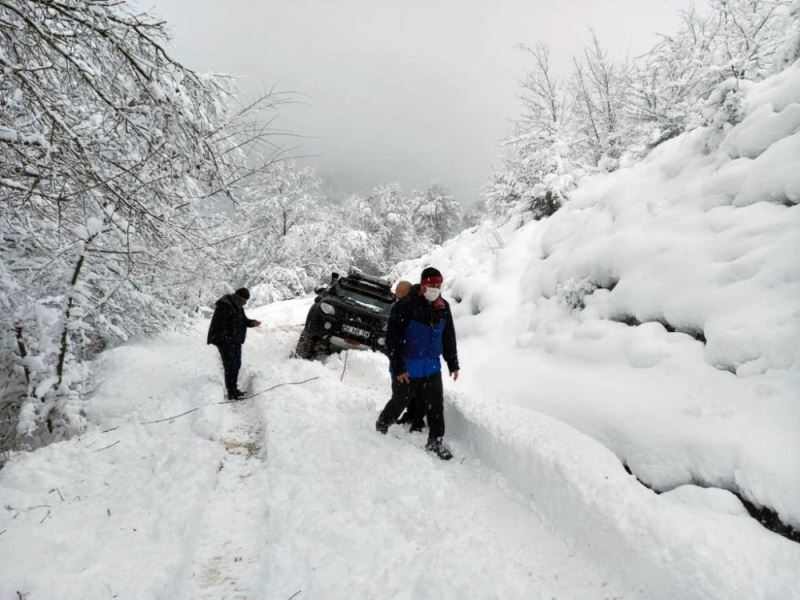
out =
column 231, row 355
column 415, row 411
column 426, row 391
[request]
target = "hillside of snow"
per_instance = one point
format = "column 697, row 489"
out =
column 659, row 310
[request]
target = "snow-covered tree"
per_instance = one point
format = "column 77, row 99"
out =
column 437, row 214
column 735, row 40
column 601, row 90
column 787, row 50
column 107, row 146
column 612, row 112
column 268, row 211
column 385, row 216
column 537, row 171
column 288, row 196
column 475, row 214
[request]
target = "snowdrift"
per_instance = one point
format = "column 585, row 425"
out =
column 659, row 310
column 690, row 543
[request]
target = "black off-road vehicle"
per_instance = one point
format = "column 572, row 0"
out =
column 352, row 312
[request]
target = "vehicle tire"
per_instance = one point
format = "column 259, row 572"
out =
column 306, row 346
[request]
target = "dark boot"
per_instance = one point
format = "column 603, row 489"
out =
column 381, row 427
column 435, row 446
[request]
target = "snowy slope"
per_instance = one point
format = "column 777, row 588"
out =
column 659, row 310
column 296, row 492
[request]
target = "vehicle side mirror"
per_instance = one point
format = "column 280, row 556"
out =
column 319, row 290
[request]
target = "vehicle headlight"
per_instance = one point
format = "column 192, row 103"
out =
column 326, row 308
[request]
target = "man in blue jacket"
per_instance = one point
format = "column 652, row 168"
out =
column 227, row 332
column 420, row 330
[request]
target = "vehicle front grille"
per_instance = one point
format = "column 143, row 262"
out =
column 372, row 325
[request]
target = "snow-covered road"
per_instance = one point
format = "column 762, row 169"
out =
column 358, row 515
column 294, row 495
column 293, row 492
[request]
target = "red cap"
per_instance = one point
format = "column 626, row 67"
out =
column 432, row 280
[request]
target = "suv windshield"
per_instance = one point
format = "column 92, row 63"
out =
column 362, row 299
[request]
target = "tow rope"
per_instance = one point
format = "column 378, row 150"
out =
column 242, row 399
column 344, row 368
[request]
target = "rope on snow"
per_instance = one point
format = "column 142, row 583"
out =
column 344, row 368
column 188, row 412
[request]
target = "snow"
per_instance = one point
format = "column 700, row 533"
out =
column 761, row 129
column 94, row 226
column 11, row 184
column 780, row 90
column 651, row 323
column 156, row 90
column 11, row 136
column 291, row 492
column 294, row 491
column 773, row 176
column 712, row 499
column 366, row 305
column 769, row 134
column 657, row 311
column 663, row 544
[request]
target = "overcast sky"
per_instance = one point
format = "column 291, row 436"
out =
column 413, row 91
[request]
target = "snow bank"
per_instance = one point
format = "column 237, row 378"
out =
column 671, row 289
column 690, row 543
column 116, row 514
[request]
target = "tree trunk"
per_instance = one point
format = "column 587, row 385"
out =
column 62, row 355
column 23, row 352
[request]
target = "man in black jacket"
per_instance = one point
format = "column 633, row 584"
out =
column 227, row 332
column 415, row 411
column 420, row 330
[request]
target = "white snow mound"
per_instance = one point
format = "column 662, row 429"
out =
column 658, row 310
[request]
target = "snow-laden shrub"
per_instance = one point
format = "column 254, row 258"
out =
column 572, row 292
column 723, row 110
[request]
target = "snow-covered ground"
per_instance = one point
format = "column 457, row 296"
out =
column 652, row 322
column 659, row 310
column 294, row 494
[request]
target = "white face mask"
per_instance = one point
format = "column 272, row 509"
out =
column 432, row 293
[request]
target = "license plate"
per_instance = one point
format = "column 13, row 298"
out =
column 355, row 331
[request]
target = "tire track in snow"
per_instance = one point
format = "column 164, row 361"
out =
column 227, row 560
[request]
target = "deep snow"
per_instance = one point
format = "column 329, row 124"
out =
column 659, row 310
column 264, row 498
column 296, row 492
column 652, row 321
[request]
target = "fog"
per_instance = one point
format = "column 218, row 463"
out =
column 410, row 91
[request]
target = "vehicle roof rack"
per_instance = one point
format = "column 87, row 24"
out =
column 357, row 273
